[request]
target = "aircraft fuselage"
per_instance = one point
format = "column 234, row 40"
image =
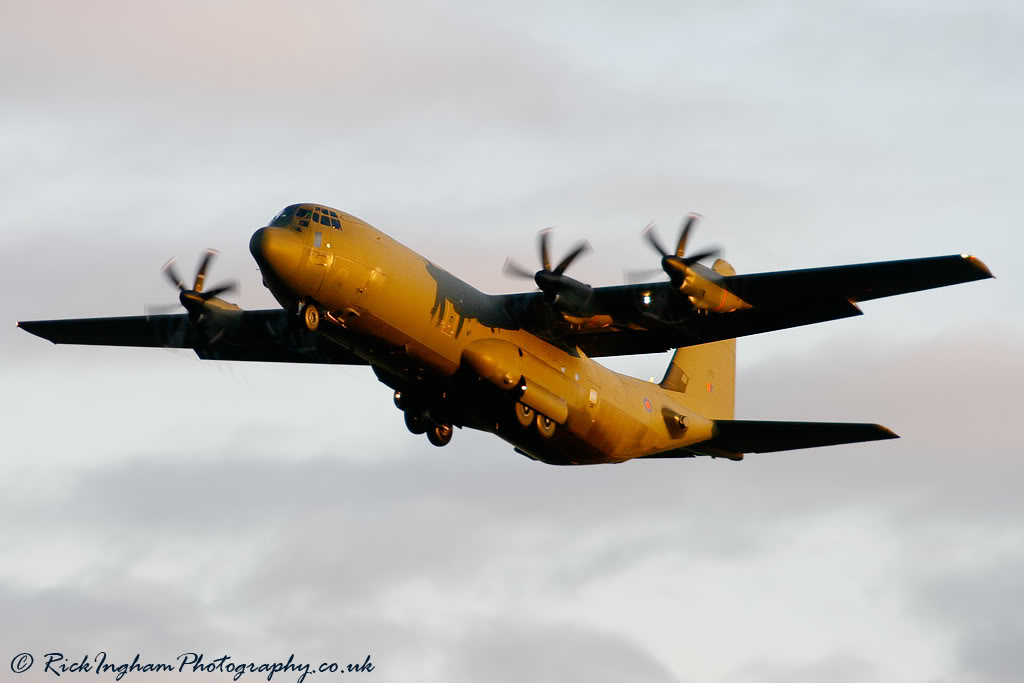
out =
column 449, row 350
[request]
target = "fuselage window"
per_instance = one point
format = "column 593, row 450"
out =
column 303, row 213
column 333, row 215
column 325, row 220
column 336, row 223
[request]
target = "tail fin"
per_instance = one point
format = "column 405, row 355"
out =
column 706, row 373
column 706, row 376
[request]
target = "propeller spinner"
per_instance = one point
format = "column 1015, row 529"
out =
column 556, row 285
column 677, row 265
column 195, row 300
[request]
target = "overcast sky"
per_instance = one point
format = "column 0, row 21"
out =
column 156, row 504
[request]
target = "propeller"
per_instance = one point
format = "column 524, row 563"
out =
column 675, row 265
column 194, row 300
column 552, row 281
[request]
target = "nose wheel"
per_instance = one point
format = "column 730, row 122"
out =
column 419, row 421
column 311, row 316
column 440, row 434
column 416, row 422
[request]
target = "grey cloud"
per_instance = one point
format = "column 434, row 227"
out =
column 838, row 668
column 977, row 606
column 514, row 649
column 112, row 612
column 122, row 615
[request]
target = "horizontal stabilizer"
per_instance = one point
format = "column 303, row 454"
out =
column 732, row 438
column 755, row 436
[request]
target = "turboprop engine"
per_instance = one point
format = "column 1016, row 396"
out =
column 568, row 296
column 701, row 285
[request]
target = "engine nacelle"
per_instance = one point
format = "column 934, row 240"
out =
column 709, row 296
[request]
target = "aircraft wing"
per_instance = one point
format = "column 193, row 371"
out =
column 262, row 335
column 732, row 438
column 648, row 318
column 701, row 329
column 860, row 282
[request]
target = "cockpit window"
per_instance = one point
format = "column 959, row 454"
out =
column 298, row 216
column 285, row 217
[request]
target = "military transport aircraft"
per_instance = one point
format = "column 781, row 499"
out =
column 520, row 365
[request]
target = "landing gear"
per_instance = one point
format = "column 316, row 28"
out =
column 524, row 414
column 527, row 416
column 311, row 316
column 440, row 434
column 546, row 426
column 422, row 420
column 417, row 422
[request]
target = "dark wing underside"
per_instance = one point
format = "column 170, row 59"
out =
column 263, row 335
column 733, row 438
column 701, row 329
column 860, row 282
column 643, row 318
column 779, row 300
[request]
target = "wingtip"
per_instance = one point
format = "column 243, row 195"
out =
column 978, row 265
column 886, row 433
column 34, row 328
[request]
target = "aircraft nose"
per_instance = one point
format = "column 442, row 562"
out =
column 276, row 250
column 256, row 243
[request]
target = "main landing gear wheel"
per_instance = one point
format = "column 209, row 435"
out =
column 524, row 414
column 311, row 317
column 440, row 434
column 416, row 423
column 546, row 426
